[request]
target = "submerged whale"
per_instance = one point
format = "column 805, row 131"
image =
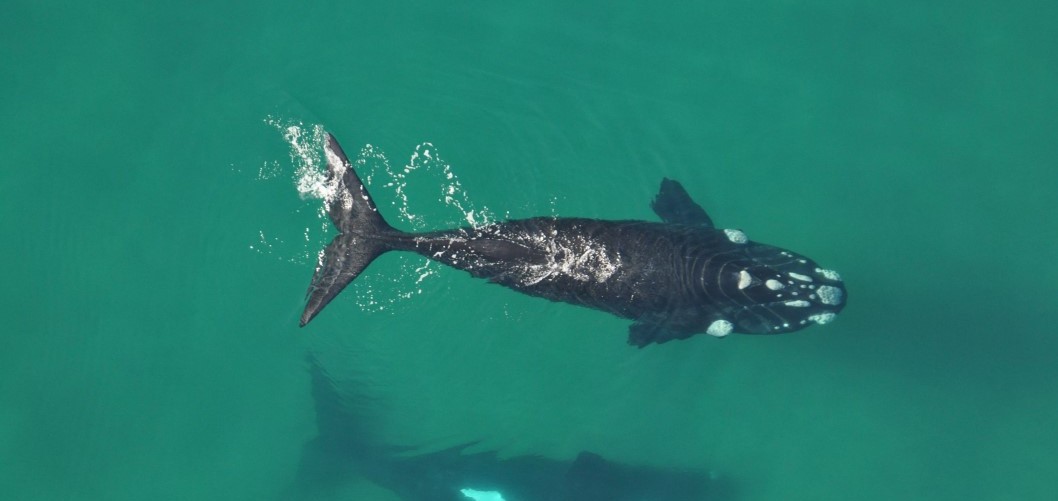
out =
column 673, row 279
column 348, row 447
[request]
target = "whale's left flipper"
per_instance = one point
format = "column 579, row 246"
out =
column 653, row 330
column 363, row 233
column 674, row 205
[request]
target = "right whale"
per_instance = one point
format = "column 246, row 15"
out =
column 673, row 279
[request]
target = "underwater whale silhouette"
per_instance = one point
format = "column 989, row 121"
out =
column 348, row 446
column 673, row 279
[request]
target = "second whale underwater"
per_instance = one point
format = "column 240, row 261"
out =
column 673, row 279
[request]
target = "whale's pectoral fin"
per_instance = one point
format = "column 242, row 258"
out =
column 653, row 329
column 674, row 205
column 642, row 333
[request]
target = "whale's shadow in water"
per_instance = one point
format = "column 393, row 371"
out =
column 345, row 451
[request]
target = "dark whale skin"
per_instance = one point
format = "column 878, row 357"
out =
column 674, row 279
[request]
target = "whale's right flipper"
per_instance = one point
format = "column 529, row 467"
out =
column 363, row 233
column 674, row 205
column 658, row 328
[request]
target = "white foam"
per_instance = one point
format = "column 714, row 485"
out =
column 308, row 160
column 426, row 168
column 310, row 181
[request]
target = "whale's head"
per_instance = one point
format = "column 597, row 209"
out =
column 771, row 291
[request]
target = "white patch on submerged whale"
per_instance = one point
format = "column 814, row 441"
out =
column 774, row 284
column 720, row 328
column 798, row 276
column 736, row 236
column 477, row 495
column 830, row 295
column 829, row 274
column 744, row 279
column 798, row 303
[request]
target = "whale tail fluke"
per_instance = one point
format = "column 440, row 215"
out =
column 363, row 234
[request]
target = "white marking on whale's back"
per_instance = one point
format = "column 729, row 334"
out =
column 566, row 254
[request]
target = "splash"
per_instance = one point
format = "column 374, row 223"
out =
column 425, row 192
column 430, row 179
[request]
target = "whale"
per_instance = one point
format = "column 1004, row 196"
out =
column 673, row 278
column 347, row 447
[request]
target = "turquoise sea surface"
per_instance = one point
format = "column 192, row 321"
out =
column 161, row 222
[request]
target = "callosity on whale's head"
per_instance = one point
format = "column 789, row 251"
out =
column 774, row 290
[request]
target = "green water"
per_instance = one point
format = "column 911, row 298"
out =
column 156, row 250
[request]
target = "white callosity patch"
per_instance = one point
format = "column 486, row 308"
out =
column 829, row 274
column 798, row 276
column 720, row 328
column 774, row 285
column 822, row 318
column 798, row 303
column 830, row 295
column 744, row 279
column 736, row 236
